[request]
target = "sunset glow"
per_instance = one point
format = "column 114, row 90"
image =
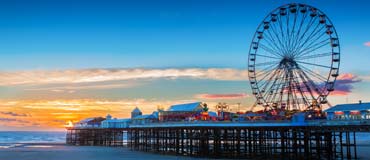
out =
column 61, row 63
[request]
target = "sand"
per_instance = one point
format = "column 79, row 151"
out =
column 65, row 152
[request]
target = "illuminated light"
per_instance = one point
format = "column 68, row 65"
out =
column 355, row 112
column 338, row 113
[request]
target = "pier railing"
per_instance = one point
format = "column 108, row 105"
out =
column 257, row 123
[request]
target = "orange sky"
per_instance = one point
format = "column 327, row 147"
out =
column 54, row 114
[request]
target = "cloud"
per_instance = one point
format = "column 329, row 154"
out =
column 222, row 96
column 364, row 78
column 104, row 75
column 344, row 84
column 71, row 88
column 367, row 44
column 7, row 119
column 13, row 120
column 14, row 114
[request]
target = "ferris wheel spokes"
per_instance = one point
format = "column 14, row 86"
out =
column 292, row 51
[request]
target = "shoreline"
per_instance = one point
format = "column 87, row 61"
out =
column 59, row 151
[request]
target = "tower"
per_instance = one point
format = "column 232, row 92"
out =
column 108, row 117
column 136, row 112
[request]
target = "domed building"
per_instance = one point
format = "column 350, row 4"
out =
column 136, row 112
column 108, row 117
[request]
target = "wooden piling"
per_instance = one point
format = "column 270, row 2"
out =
column 295, row 142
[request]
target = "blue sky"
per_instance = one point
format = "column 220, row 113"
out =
column 105, row 34
column 149, row 53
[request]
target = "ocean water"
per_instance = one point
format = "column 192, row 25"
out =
column 13, row 137
column 361, row 137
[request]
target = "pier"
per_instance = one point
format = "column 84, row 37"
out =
column 96, row 137
column 273, row 140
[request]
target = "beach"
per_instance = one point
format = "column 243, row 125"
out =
column 48, row 151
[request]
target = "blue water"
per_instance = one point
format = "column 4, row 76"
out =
column 13, row 137
column 32, row 137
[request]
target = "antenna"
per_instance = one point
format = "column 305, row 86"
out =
column 238, row 106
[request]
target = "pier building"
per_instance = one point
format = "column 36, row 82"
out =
column 94, row 122
column 136, row 112
column 115, row 123
column 181, row 112
column 354, row 111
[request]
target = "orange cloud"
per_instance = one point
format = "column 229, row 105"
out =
column 346, row 76
column 14, row 114
column 344, row 84
column 339, row 93
column 222, row 96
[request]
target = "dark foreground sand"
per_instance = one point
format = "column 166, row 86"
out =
column 64, row 152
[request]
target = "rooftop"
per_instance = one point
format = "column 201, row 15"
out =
column 136, row 110
column 92, row 120
column 145, row 116
column 118, row 120
column 184, row 107
column 349, row 107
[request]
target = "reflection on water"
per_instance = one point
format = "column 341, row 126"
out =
column 4, row 146
column 31, row 137
column 15, row 139
column 38, row 146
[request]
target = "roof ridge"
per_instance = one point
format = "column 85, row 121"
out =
column 352, row 103
column 136, row 109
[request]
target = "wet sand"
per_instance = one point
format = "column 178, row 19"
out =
column 65, row 152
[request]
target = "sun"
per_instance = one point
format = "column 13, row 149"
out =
column 69, row 124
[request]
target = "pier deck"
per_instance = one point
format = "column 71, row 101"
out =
column 273, row 140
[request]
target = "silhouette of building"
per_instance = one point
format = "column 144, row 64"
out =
column 136, row 112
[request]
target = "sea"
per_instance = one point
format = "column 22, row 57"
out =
column 10, row 139
column 15, row 138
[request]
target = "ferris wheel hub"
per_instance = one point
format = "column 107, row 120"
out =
column 288, row 62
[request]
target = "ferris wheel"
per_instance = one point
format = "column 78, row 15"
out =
column 294, row 58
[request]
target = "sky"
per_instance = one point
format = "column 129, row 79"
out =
column 64, row 60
